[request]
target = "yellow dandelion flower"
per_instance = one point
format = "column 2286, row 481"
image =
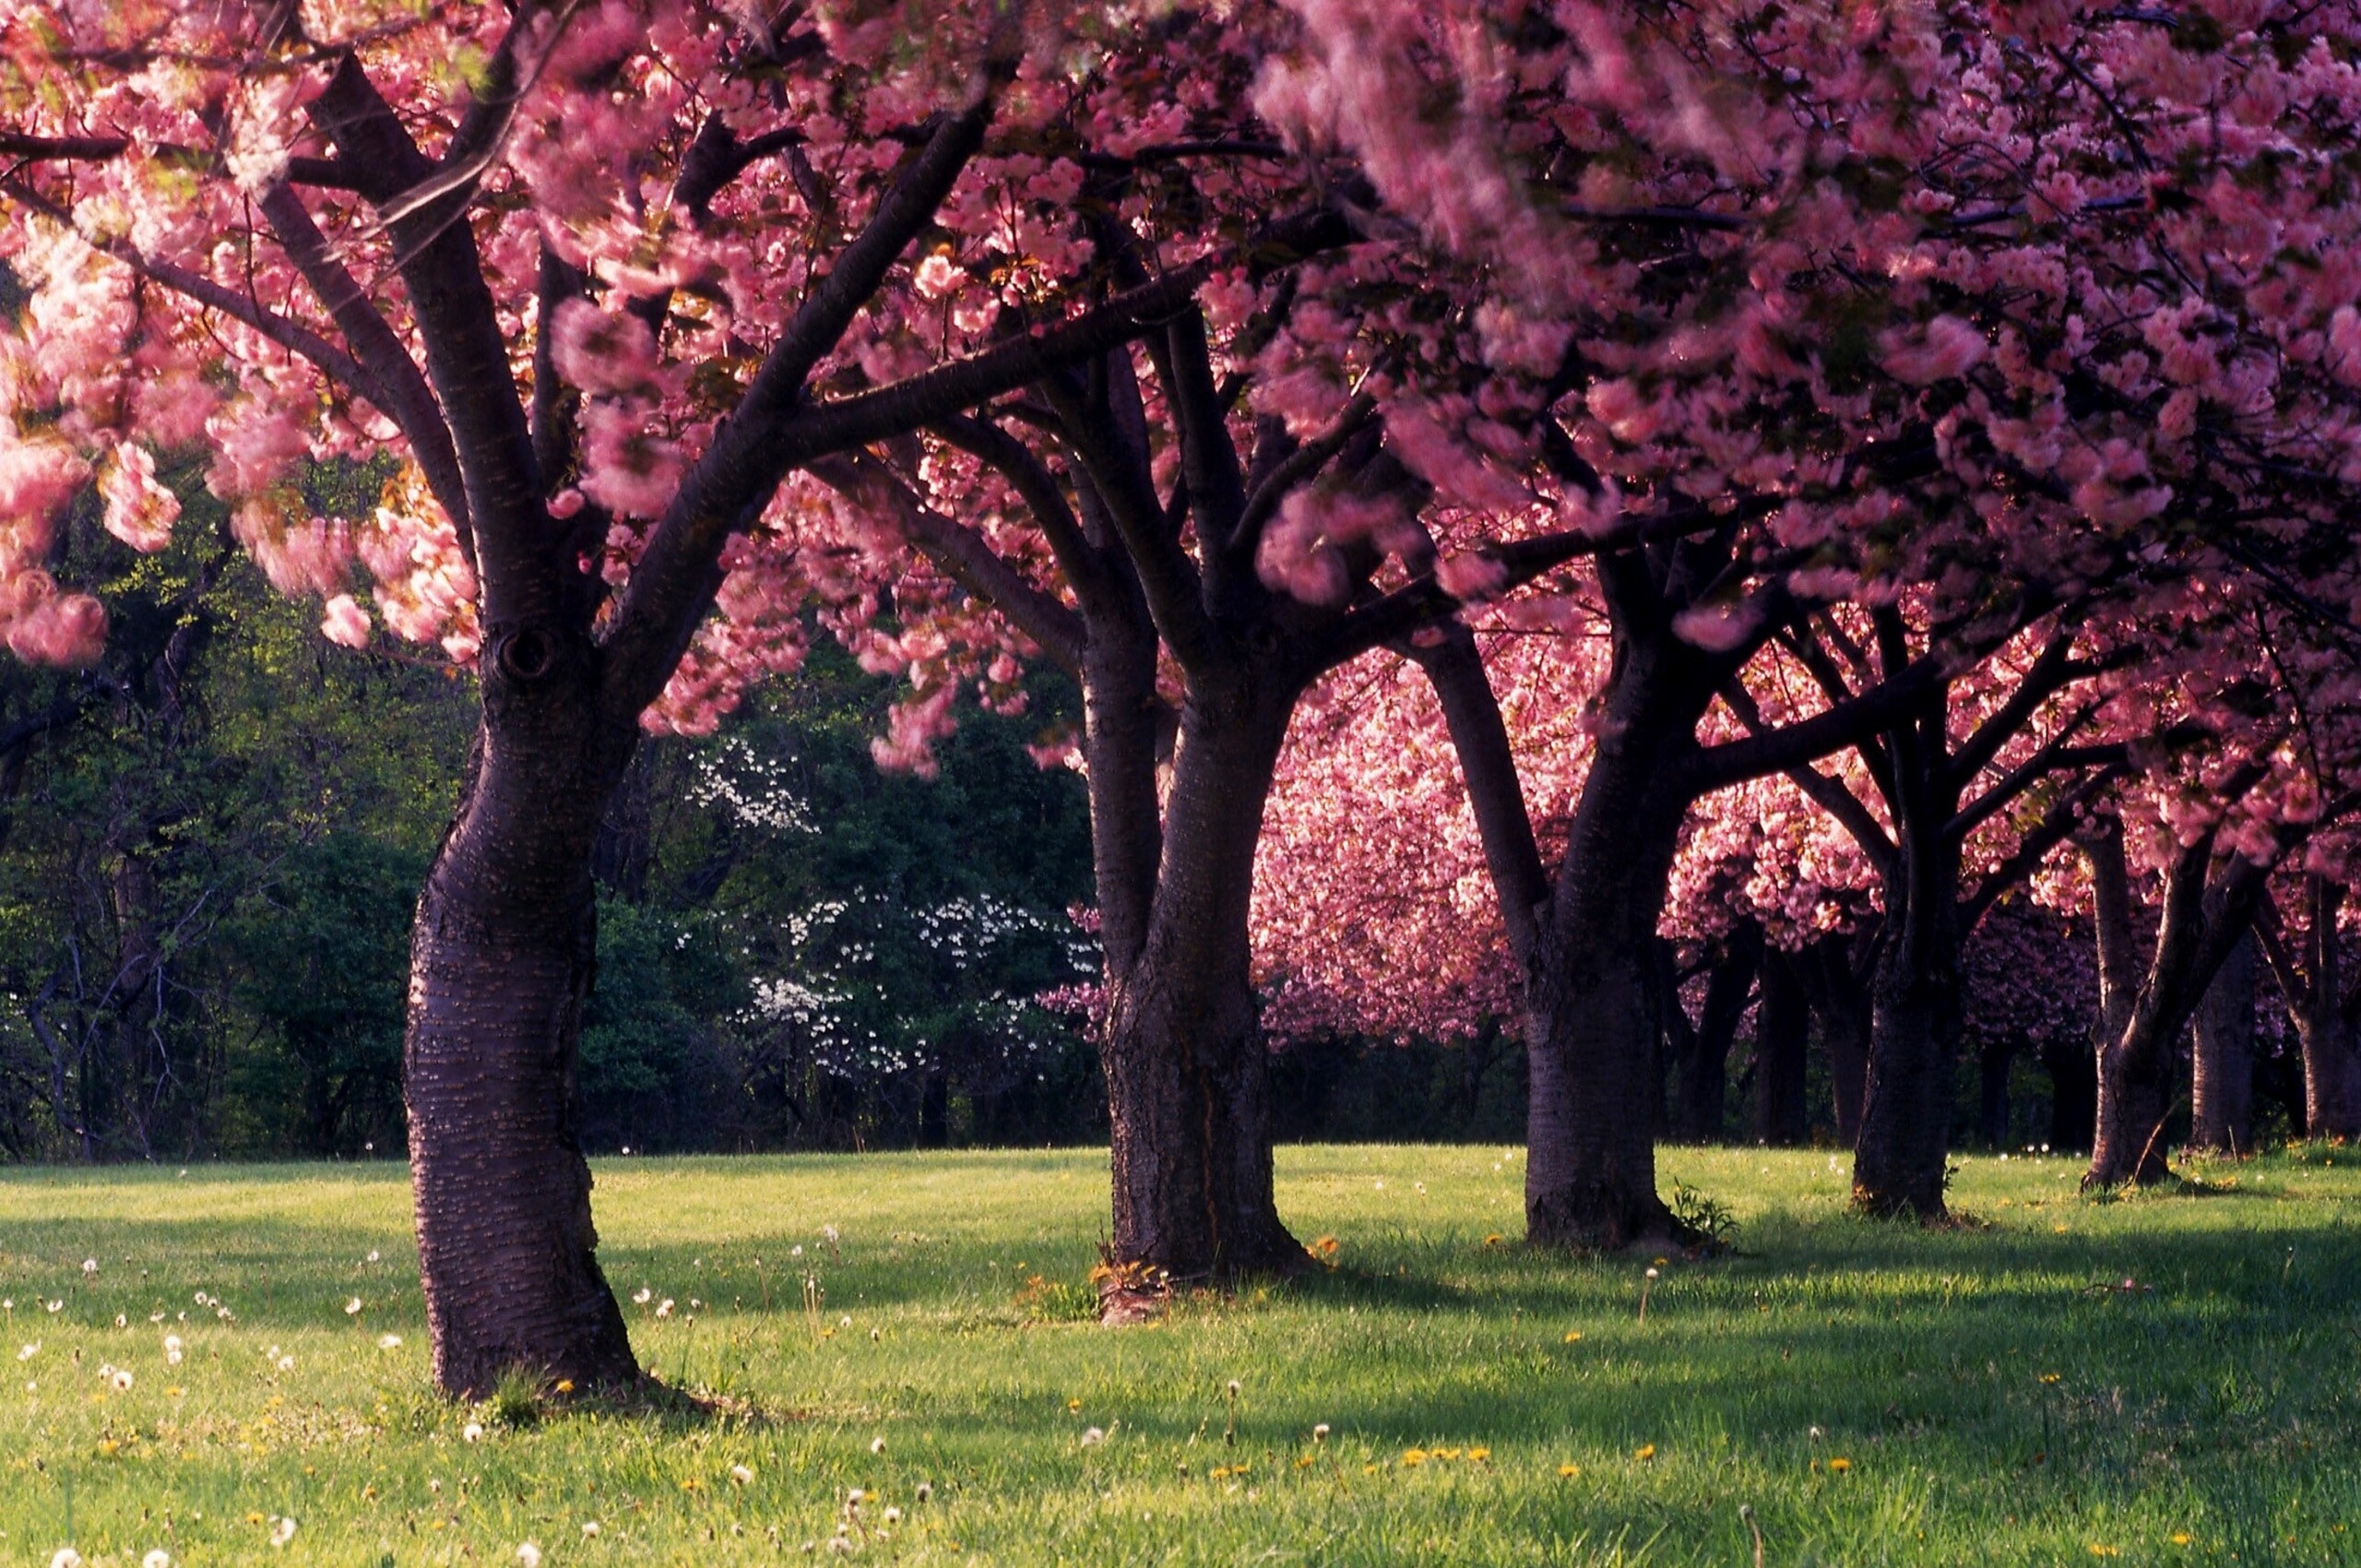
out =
column 1446, row 1453
column 1304, row 1461
column 2049, row 1377
column 2058, row 1230
column 566, row 1386
column 1074, row 1407
column 1478, row 1456
column 1570, row 1471
column 1646, row 1451
column 1414, row 1456
column 2099, row 1548
column 1840, row 1465
column 2181, row 1538
column 1494, row 1239
column 1573, row 1335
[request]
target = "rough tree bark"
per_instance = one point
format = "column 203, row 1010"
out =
column 1187, row 1082
column 501, row 964
column 2222, row 1058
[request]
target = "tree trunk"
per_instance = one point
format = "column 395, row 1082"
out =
column 2073, row 1094
column 2324, row 1023
column 2222, row 1058
column 1782, row 1032
column 2209, row 906
column 1592, row 1024
column 1901, row 1164
column 1699, row 1113
column 1842, row 1004
column 500, row 962
column 2329, row 1090
column 2135, row 1080
column 1993, row 1064
column 1187, row 1082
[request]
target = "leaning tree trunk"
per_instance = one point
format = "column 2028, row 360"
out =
column 1187, row 1082
column 2222, row 1058
column 1591, row 1000
column 500, row 962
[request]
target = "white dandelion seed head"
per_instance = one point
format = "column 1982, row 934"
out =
column 1094, row 1437
column 892, row 1516
column 925, row 1492
column 741, row 1474
column 528, row 1555
column 286, row 1363
column 66, row 1556
column 89, row 1265
column 122, row 1381
column 877, row 1446
column 796, row 1251
column 1235, row 1388
column 352, row 1307
column 1654, row 1275
column 590, row 1529
column 642, row 1296
column 159, row 1558
column 30, row 1351
column 389, row 1342
column 472, row 1431
column 282, row 1532
column 372, row 1257
column 1320, row 1433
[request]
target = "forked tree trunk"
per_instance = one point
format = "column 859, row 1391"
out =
column 2222, row 1058
column 2207, row 906
column 1781, row 1033
column 500, row 962
column 1187, row 1082
column 1701, row 1111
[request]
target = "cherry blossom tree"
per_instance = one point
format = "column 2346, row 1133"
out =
column 1974, row 300
column 609, row 282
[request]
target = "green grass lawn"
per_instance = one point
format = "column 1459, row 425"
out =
column 2166, row 1380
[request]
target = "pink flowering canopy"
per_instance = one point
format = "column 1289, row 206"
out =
column 201, row 273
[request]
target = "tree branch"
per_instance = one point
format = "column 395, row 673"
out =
column 374, row 345
column 962, row 555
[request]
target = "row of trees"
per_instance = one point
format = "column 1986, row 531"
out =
column 1945, row 412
